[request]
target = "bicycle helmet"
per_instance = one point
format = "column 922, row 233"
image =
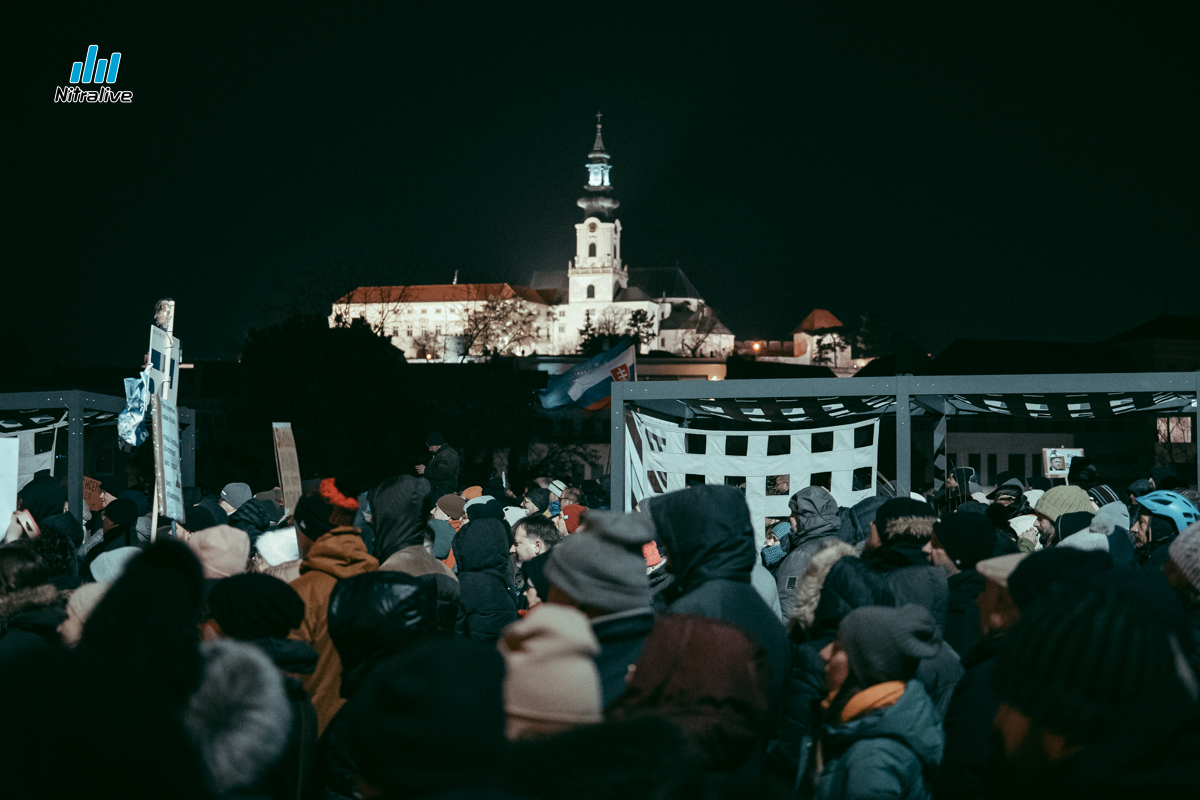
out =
column 1172, row 505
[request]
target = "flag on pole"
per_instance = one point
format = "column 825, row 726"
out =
column 589, row 385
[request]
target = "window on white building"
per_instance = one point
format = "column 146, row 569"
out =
column 424, row 310
column 395, row 332
column 437, row 330
column 592, row 250
column 591, row 292
column 408, row 332
column 562, row 328
column 437, row 311
column 562, row 314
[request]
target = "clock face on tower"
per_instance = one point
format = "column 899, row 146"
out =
column 592, row 228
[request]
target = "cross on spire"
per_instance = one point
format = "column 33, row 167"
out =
column 598, row 116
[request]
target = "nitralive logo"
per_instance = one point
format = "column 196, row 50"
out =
column 103, row 70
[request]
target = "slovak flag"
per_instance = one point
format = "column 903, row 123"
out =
column 589, row 385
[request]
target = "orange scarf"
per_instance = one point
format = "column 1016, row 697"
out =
column 881, row 695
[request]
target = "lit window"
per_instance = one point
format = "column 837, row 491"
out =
column 1175, row 430
column 591, row 292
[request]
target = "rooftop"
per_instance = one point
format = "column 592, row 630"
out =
column 1168, row 326
column 441, row 293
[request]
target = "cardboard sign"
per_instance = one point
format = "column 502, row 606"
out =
column 10, row 458
column 168, row 476
column 92, row 494
column 1056, row 461
column 163, row 369
column 286, row 465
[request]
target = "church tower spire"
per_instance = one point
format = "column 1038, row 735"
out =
column 598, row 200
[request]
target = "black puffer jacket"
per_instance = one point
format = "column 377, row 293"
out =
column 911, row 577
column 709, row 541
column 481, row 557
column 372, row 617
column 442, row 471
column 256, row 517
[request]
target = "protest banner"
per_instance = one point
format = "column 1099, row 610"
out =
column 1056, row 461
column 163, row 367
column 168, row 477
column 286, row 465
column 92, row 494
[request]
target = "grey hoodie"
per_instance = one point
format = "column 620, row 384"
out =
column 817, row 514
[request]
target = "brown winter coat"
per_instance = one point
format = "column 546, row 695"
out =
column 336, row 555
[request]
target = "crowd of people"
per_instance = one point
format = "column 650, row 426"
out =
column 424, row 639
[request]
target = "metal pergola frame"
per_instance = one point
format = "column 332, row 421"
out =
column 78, row 403
column 904, row 388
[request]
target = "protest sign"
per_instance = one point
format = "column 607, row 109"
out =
column 286, row 465
column 92, row 494
column 168, row 477
column 10, row 457
column 1056, row 461
column 163, row 367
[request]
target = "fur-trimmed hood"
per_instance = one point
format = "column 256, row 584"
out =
column 23, row 601
column 919, row 528
column 808, row 593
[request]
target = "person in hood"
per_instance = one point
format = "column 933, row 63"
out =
column 442, row 469
column 959, row 542
column 855, row 529
column 372, row 618
column 481, row 554
column 882, row 736
column 400, row 513
column 256, row 517
column 331, row 550
column 814, row 520
column 42, row 497
column 896, row 550
column 31, row 608
column 709, row 543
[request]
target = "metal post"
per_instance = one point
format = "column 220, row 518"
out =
column 903, row 438
column 617, row 499
column 1196, row 425
column 75, row 454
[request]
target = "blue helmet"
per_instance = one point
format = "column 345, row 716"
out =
column 1171, row 505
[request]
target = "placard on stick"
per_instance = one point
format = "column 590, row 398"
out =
column 92, row 495
column 286, row 465
column 168, row 477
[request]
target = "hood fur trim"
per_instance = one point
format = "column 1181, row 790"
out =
column 918, row 527
column 808, row 594
column 14, row 603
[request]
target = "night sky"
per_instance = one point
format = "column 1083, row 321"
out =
column 968, row 170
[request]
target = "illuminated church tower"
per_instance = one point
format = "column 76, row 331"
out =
column 596, row 274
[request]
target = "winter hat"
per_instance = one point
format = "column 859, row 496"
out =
column 602, row 566
column 1103, row 495
column 1140, row 487
column 1063, row 500
column 998, row 570
column 42, row 497
column 1013, row 487
column 446, row 690
column 1046, row 571
column 255, row 606
column 900, row 508
column 972, row 507
column 471, row 492
column 235, row 494
column 121, row 512
column 1075, row 663
column 540, row 499
column 888, row 644
column 1033, row 495
column 967, row 538
column 451, row 505
column 333, row 505
column 1185, row 553
column 557, row 487
column 1072, row 523
column 476, row 501
column 552, row 682
column 1040, row 483
column 199, row 517
column 1082, row 472
column 1110, row 517
column 1086, row 540
column 572, row 516
column 139, row 499
column 239, row 718
column 223, row 550
column 109, row 565
column 85, row 599
column 434, row 439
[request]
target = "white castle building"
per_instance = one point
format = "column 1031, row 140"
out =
column 597, row 292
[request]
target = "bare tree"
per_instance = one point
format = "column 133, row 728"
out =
column 640, row 327
column 610, row 322
column 428, row 344
column 500, row 325
column 695, row 338
column 381, row 307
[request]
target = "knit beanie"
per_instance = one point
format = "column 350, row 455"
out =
column 572, row 516
column 967, row 538
column 1185, row 553
column 236, row 494
column 1103, row 495
column 603, row 565
column 551, row 680
column 887, row 644
column 255, row 606
column 435, row 439
column 1076, row 662
column 332, row 505
column 1109, row 518
column 451, row 505
column 121, row 512
column 1063, row 500
column 1075, row 521
column 109, row 565
column 1082, row 472
column 1047, row 571
column 557, row 487
column 223, row 550
column 85, row 599
column 540, row 498
column 419, row 712
column 898, row 508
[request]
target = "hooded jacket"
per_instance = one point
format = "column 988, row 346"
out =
column 709, row 541
column 29, row 620
column 817, row 514
column 255, row 517
column 884, row 753
column 336, row 555
column 909, row 574
column 442, row 471
column 481, row 554
column 399, row 513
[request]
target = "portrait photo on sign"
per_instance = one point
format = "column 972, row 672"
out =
column 1056, row 461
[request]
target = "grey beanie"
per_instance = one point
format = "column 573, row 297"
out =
column 888, row 644
column 236, row 494
column 601, row 565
